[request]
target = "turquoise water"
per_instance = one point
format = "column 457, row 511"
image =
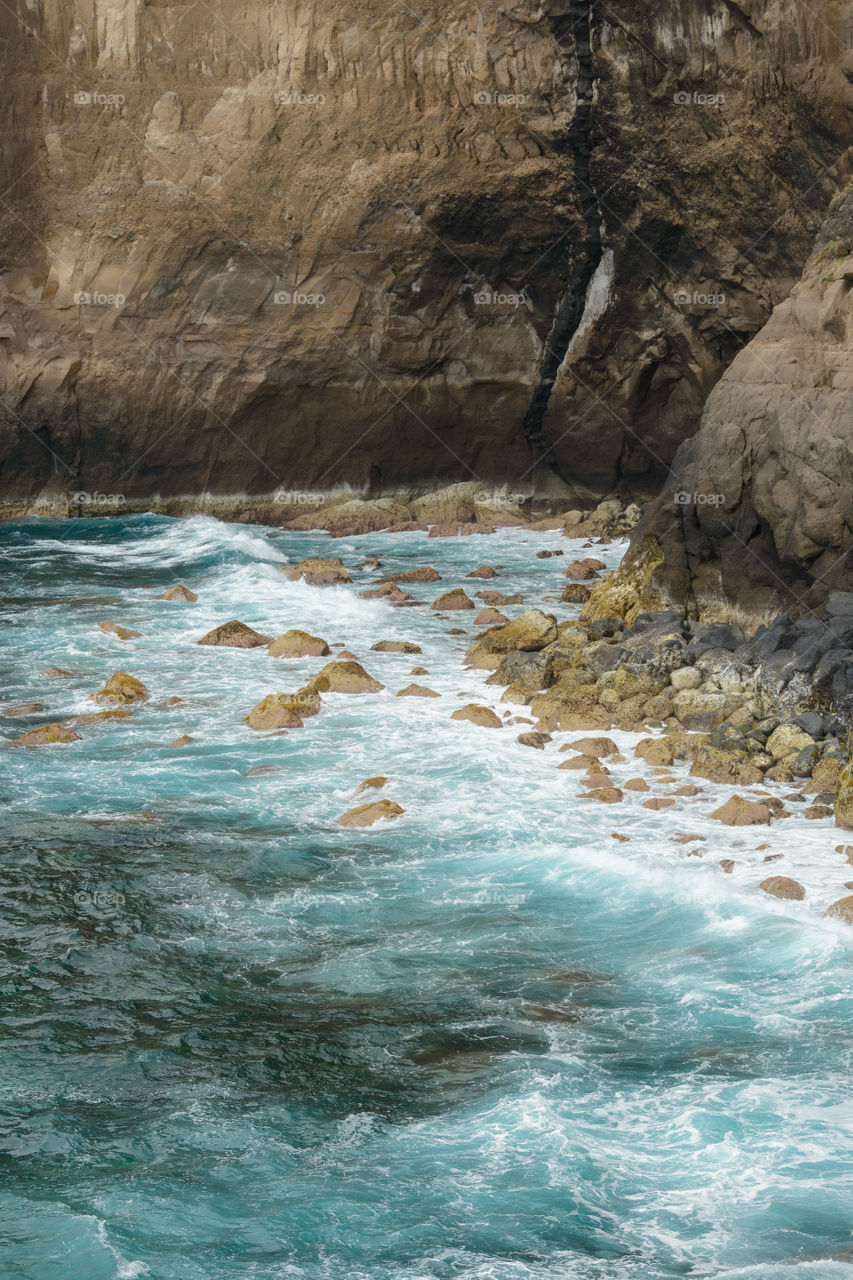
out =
column 486, row 1040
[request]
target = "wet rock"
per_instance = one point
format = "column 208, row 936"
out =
column 366, row 815
column 396, row 646
column 497, row 598
column 687, row 790
column 600, row 747
column 115, row 713
column 824, row 776
column 298, row 644
column 604, row 795
column 739, row 812
column 579, row 762
column 344, row 677
column 183, row 741
column 536, row 740
column 419, row 671
column 575, row 593
column 388, row 591
column 275, row 711
column 841, row 910
column 114, row 629
column 482, row 716
column 60, row 673
column 727, row 865
column 47, row 735
column 658, row 802
column 484, row 571
column 636, row 784
column 318, row 571
column 529, row 632
column 122, row 689
column 783, row 887
column 417, row 691
column 263, row 770
column 544, row 555
column 655, row 751
column 425, row 574
column 371, row 784
column 583, row 570
column 456, row 599
column 698, row 709
column 818, row 811
column 180, row 593
column 491, row 618
column 787, row 740
column 725, row 766
column 235, row 635
column 24, row 709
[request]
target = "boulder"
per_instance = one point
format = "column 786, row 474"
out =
column 388, row 591
column 114, row 629
column 121, row 689
column 114, row 713
column 787, row 740
column 46, row 736
column 426, row 574
column 417, row 691
column 841, row 910
column 484, row 571
column 658, row 802
column 298, row 644
column 235, row 635
column 605, row 795
column 277, row 711
column 456, row 599
column 637, row 784
column 656, row 751
column 491, row 618
column 783, row 887
column 717, row 765
column 371, row 784
column 575, row 593
column 181, row 593
column 602, row 747
column 24, row 709
column 318, row 572
column 699, row 709
column 183, row 741
column 738, row 812
column 579, row 762
column 685, row 678
column 536, row 740
column 482, row 716
column 60, row 673
column 366, row 815
column 584, row 570
column 396, row 646
column 531, row 631
column 818, row 811
column 844, row 798
column 344, row 677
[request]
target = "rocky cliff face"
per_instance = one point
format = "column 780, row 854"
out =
column 758, row 513
column 250, row 247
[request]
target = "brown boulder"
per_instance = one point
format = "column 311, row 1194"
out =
column 484, row 571
column 371, row 784
column 482, row 716
column 425, row 574
column 24, row 709
column 491, row 618
column 121, row 689
column 181, row 593
column 605, row 795
column 456, row 599
column 396, row 646
column 46, row 736
column 601, row 747
column 282, row 711
column 655, row 751
column 183, row 741
column 114, row 629
column 417, row 691
column 367, row 814
column 637, row 784
column 234, row 635
column 318, row 572
column 841, row 910
column 536, row 740
column 298, row 644
column 388, row 591
column 783, row 887
column 579, row 762
column 115, row 713
column 344, row 677
column 738, row 812
column 658, row 802
column 583, row 570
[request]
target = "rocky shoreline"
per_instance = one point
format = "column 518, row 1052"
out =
column 741, row 708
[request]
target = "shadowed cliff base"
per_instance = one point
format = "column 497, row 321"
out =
column 242, row 251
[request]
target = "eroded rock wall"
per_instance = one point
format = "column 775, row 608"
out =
column 187, row 169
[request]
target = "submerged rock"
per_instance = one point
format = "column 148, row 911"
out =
column 115, row 713
column 235, row 635
column 121, row 688
column 368, row 814
column 47, row 736
column 318, row 571
column 396, row 646
column 24, row 709
column 298, row 644
column 371, row 784
column 181, row 593
column 114, row 629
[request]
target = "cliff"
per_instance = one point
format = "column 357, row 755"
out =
column 757, row 515
column 250, row 246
